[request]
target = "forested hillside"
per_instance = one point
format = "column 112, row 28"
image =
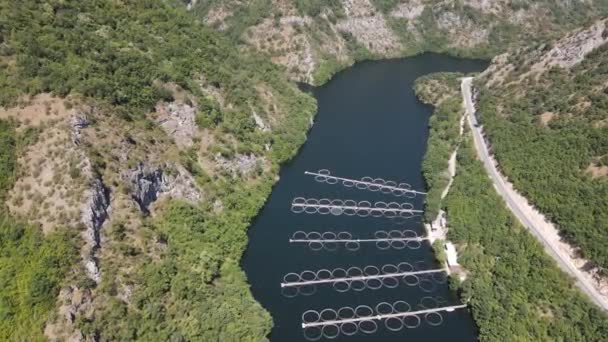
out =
column 313, row 39
column 136, row 146
column 516, row 292
column 545, row 111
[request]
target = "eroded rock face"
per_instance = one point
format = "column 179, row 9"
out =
column 94, row 213
column 191, row 4
column 571, row 50
column 242, row 164
column 178, row 121
column 409, row 10
column 180, row 184
column 463, row 31
column 78, row 122
column 260, row 122
column 148, row 183
column 565, row 53
column 369, row 27
column 287, row 43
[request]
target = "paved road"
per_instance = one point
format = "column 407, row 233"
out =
column 563, row 261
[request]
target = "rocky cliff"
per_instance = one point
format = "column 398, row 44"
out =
column 313, row 39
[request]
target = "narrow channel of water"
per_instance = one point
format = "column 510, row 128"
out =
column 369, row 123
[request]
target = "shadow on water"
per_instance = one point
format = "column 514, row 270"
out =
column 369, row 123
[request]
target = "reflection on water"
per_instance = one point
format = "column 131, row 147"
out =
column 369, row 126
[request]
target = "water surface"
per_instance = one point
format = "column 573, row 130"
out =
column 369, row 123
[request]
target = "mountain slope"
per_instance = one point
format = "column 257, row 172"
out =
column 514, row 289
column 148, row 143
column 544, row 110
column 313, row 39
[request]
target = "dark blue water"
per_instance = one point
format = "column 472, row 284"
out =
column 369, row 123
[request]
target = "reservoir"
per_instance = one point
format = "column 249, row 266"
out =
column 369, row 124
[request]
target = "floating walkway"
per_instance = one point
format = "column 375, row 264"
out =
column 357, row 240
column 368, row 277
column 367, row 183
column 348, row 321
column 383, row 239
column 338, row 207
column 385, row 316
column 359, row 278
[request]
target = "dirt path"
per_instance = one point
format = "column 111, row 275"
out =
column 541, row 228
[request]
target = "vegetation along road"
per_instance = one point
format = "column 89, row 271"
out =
column 525, row 213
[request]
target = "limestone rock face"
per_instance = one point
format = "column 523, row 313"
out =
column 78, row 122
column 178, row 121
column 260, row 122
column 369, row 27
column 94, row 213
column 241, row 164
column 572, row 50
column 148, row 183
column 409, row 10
column 565, row 53
column 180, row 184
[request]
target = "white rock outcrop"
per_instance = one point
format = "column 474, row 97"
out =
column 178, row 121
column 571, row 50
column 94, row 213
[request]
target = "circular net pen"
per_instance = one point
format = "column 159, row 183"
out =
column 364, row 319
column 382, row 239
column 398, row 212
column 369, row 277
column 386, row 187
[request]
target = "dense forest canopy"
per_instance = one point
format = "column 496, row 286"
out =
column 549, row 137
column 515, row 290
column 118, row 53
column 441, row 91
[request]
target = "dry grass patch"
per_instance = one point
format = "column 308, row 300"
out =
column 545, row 118
column 287, row 44
column 597, row 171
column 53, row 175
column 42, row 108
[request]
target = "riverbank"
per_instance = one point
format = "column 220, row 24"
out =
column 446, row 132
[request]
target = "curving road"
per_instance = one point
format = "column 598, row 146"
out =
column 525, row 213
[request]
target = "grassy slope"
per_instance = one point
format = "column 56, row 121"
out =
column 32, row 267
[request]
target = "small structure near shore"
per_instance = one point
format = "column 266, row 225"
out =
column 437, row 230
column 451, row 255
